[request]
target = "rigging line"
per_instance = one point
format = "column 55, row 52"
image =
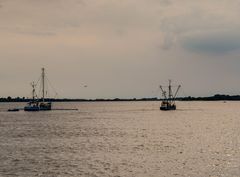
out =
column 182, row 90
column 51, row 86
column 159, row 93
column 40, row 88
column 38, row 80
column 47, row 90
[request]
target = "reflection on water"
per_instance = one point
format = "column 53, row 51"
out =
column 122, row 139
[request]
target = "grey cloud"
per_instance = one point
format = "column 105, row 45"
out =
column 162, row 2
column 39, row 33
column 219, row 43
column 44, row 17
column 192, row 21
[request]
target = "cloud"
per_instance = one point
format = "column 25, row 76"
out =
column 196, row 18
column 222, row 42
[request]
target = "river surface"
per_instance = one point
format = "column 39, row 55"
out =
column 122, row 139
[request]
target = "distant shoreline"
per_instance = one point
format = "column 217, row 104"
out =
column 217, row 97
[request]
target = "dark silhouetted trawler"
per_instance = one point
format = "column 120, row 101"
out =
column 168, row 103
column 39, row 104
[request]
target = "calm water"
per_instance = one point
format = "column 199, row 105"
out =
column 129, row 139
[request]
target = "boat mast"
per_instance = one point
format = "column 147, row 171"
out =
column 43, row 84
column 33, row 91
column 170, row 91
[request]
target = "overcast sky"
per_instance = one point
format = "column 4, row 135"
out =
column 120, row 48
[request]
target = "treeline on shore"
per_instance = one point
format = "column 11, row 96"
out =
column 217, row 97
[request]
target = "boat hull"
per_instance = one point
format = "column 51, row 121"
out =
column 31, row 109
column 168, row 108
column 38, row 107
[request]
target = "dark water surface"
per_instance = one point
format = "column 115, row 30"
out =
column 122, row 139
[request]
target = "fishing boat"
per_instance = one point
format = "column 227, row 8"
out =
column 168, row 103
column 38, row 104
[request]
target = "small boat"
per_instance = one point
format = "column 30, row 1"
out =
column 38, row 104
column 168, row 103
column 13, row 110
